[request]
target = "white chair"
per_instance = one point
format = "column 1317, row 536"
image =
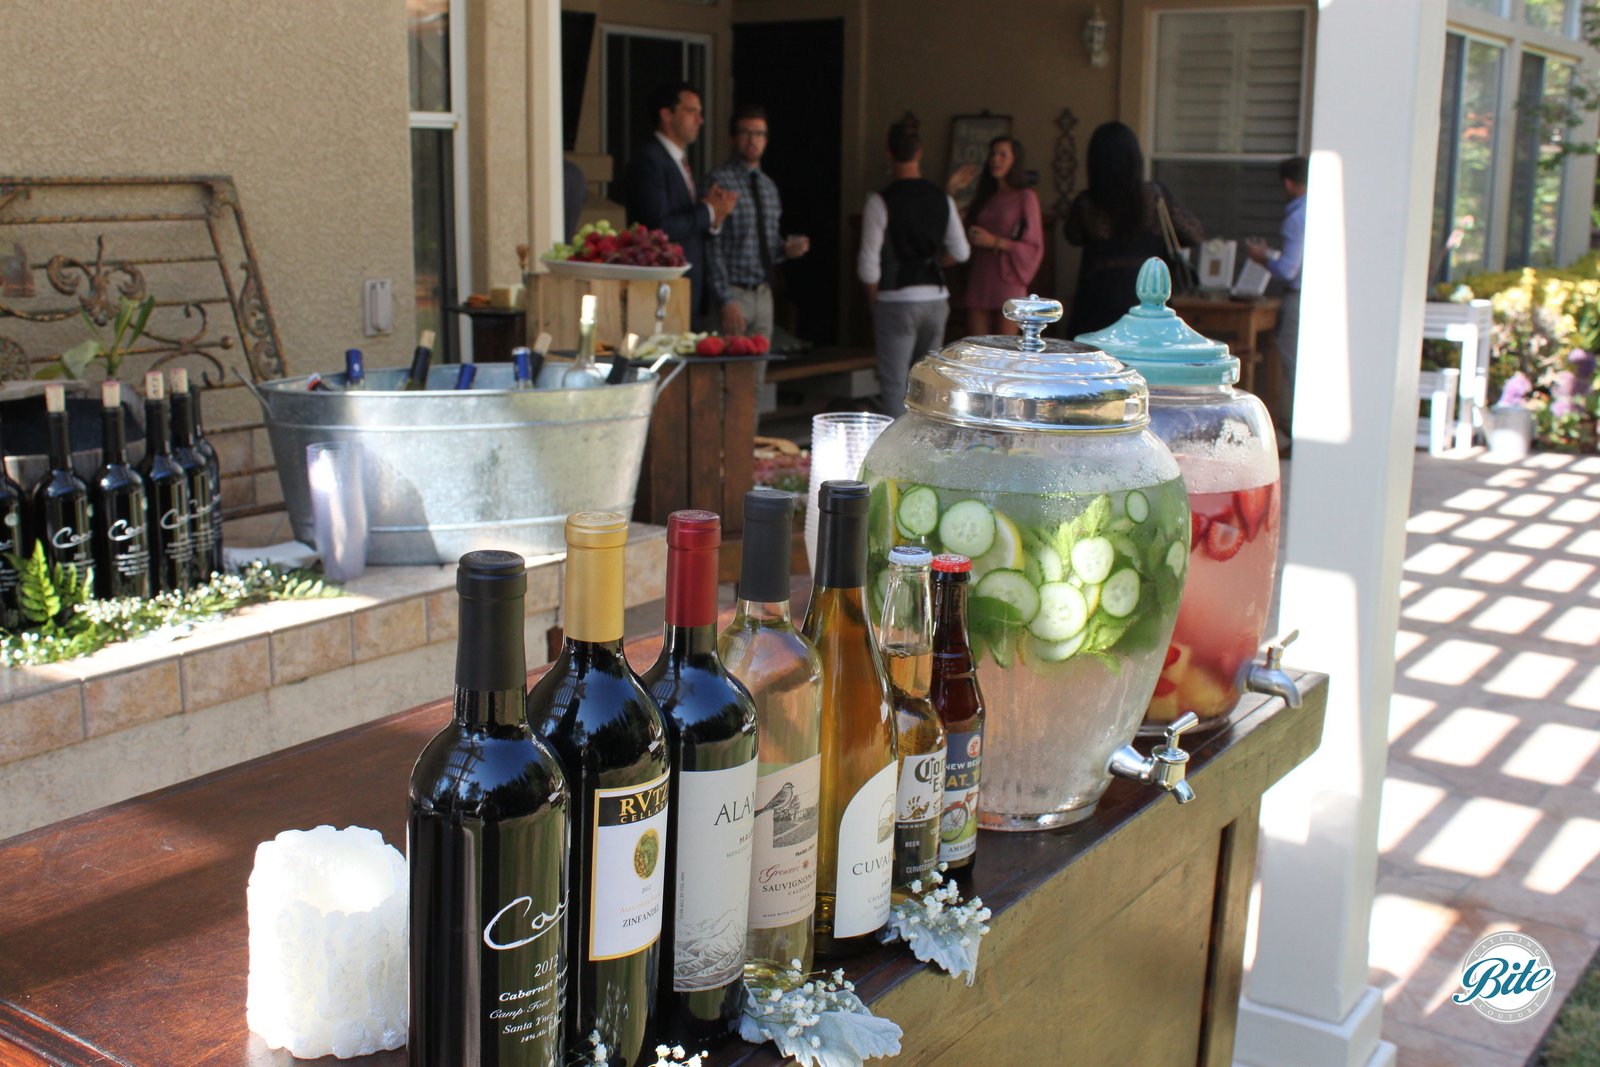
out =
column 1469, row 325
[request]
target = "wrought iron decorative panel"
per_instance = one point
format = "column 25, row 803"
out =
column 72, row 248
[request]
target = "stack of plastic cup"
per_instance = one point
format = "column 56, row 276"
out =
column 839, row 442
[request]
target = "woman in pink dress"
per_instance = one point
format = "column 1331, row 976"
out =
column 1007, row 239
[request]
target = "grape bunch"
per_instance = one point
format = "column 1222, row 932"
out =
column 639, row 246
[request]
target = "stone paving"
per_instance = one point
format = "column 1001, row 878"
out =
column 1491, row 802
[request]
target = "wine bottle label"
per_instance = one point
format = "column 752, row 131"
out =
column 783, row 880
column 958, row 824
column 917, row 805
column 527, row 936
column 628, row 876
column 866, row 857
column 715, row 817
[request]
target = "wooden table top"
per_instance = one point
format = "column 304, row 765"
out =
column 123, row 935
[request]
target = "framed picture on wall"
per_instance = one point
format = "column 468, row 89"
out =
column 969, row 144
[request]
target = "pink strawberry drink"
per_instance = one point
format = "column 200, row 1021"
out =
column 1227, row 450
column 1233, row 553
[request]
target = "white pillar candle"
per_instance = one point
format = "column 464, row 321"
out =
column 328, row 957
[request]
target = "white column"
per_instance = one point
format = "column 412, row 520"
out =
column 545, row 200
column 1375, row 121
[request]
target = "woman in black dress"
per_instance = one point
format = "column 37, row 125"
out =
column 1116, row 220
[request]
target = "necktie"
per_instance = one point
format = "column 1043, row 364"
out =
column 761, row 224
column 688, row 176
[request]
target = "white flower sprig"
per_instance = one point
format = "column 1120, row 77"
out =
column 673, row 1056
column 939, row 927
column 818, row 1020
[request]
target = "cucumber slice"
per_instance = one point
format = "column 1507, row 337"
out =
column 1121, row 526
column 1039, row 651
column 1121, row 593
column 1138, row 506
column 1043, row 565
column 967, row 528
column 1063, row 612
column 1177, row 558
column 919, row 511
column 1092, row 559
column 1013, row 588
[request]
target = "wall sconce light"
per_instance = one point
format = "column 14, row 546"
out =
column 1094, row 39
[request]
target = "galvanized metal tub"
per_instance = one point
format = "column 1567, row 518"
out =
column 450, row 471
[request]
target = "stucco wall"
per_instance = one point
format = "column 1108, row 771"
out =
column 303, row 102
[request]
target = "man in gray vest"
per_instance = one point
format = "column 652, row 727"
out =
column 910, row 231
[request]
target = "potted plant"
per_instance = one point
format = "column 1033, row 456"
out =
column 1510, row 421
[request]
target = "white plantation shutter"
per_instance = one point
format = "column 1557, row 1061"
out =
column 1229, row 82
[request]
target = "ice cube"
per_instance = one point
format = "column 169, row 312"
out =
column 328, row 950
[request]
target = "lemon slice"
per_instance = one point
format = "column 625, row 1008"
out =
column 1006, row 552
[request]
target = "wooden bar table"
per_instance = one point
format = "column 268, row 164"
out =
column 123, row 936
column 1241, row 323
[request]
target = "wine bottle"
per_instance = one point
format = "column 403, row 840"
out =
column 487, row 848
column 167, row 492
column 204, row 559
column 316, row 383
column 711, row 741
column 781, row 670
column 202, row 445
column 608, row 732
column 905, row 637
column 860, row 764
column 466, row 375
column 121, row 511
column 355, row 369
column 955, row 695
column 417, row 377
column 583, row 374
column 62, row 514
column 13, row 537
column 523, row 371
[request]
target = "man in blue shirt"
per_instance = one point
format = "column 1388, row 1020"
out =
column 749, row 246
column 1284, row 264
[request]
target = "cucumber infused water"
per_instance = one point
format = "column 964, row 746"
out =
column 1072, row 604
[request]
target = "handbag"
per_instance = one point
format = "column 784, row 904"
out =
column 1183, row 276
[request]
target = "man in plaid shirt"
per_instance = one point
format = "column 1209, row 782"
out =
column 748, row 247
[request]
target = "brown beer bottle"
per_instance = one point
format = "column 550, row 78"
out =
column 955, row 695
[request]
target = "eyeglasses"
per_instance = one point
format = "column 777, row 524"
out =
column 752, row 134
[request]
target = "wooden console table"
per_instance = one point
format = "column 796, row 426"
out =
column 1241, row 323
column 123, row 935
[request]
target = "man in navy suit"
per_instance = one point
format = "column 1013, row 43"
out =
column 662, row 192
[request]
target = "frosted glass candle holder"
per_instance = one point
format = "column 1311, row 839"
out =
column 328, row 950
column 839, row 442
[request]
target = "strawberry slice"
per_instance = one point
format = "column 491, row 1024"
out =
column 1172, row 656
column 1165, row 687
column 1253, row 506
column 1223, row 541
column 1198, row 524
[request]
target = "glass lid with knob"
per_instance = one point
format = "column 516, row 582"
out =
column 1028, row 382
column 1153, row 340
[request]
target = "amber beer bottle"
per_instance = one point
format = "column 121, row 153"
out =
column 905, row 637
column 955, row 695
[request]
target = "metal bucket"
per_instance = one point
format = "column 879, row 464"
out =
column 451, row 471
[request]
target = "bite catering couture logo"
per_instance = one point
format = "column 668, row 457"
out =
column 1507, row 977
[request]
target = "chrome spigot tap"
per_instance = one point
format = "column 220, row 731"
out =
column 1268, row 676
column 1165, row 767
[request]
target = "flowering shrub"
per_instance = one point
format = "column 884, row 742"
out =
column 1546, row 328
column 782, row 470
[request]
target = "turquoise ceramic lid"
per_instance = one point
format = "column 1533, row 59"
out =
column 1154, row 341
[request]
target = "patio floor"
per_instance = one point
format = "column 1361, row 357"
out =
column 1491, row 803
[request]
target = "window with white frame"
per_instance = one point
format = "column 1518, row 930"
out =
column 1229, row 105
column 439, row 231
column 1469, row 122
column 1533, row 227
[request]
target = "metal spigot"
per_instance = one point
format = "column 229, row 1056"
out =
column 1165, row 767
column 1268, row 676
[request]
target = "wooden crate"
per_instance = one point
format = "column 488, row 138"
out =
column 701, row 448
column 621, row 308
